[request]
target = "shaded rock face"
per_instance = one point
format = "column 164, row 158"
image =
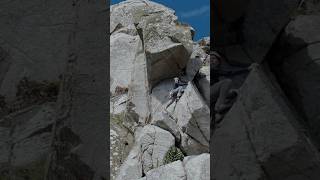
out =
column 155, row 48
column 53, row 63
column 27, row 132
column 266, row 134
column 240, row 25
column 297, row 67
column 272, row 129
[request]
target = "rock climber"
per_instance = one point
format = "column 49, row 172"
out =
column 177, row 91
column 222, row 94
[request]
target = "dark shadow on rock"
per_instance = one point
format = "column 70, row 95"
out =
column 295, row 65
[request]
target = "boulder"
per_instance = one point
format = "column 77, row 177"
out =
column 168, row 123
column 260, row 136
column 190, row 146
column 155, row 143
column 172, row 171
column 131, row 12
column 167, row 61
column 132, row 167
column 123, row 51
column 197, row 167
column 193, row 115
column 167, row 43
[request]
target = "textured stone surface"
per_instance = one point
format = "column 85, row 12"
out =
column 172, row 171
column 266, row 134
column 132, row 167
column 163, row 51
column 26, row 132
column 193, row 67
column 164, row 38
column 123, row 51
column 190, row 146
column 197, row 167
column 253, row 25
column 203, row 83
column 298, row 67
column 193, row 115
column 55, row 41
column 155, row 143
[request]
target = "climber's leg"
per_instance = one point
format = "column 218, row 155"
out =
column 180, row 91
column 175, row 91
column 172, row 100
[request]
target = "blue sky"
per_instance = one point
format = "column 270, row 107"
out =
column 196, row 13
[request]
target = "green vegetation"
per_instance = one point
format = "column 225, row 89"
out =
column 174, row 154
column 118, row 118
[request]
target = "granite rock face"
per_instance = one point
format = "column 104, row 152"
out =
column 197, row 167
column 53, row 63
column 271, row 131
column 155, row 48
column 266, row 134
column 249, row 28
column 192, row 114
column 167, row 43
column 155, row 143
column 297, row 66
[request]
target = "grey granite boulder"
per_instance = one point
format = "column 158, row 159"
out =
column 193, row 115
column 155, row 143
column 172, row 171
column 132, row 167
column 197, row 167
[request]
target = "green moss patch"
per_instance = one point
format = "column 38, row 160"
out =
column 118, row 118
column 174, row 154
